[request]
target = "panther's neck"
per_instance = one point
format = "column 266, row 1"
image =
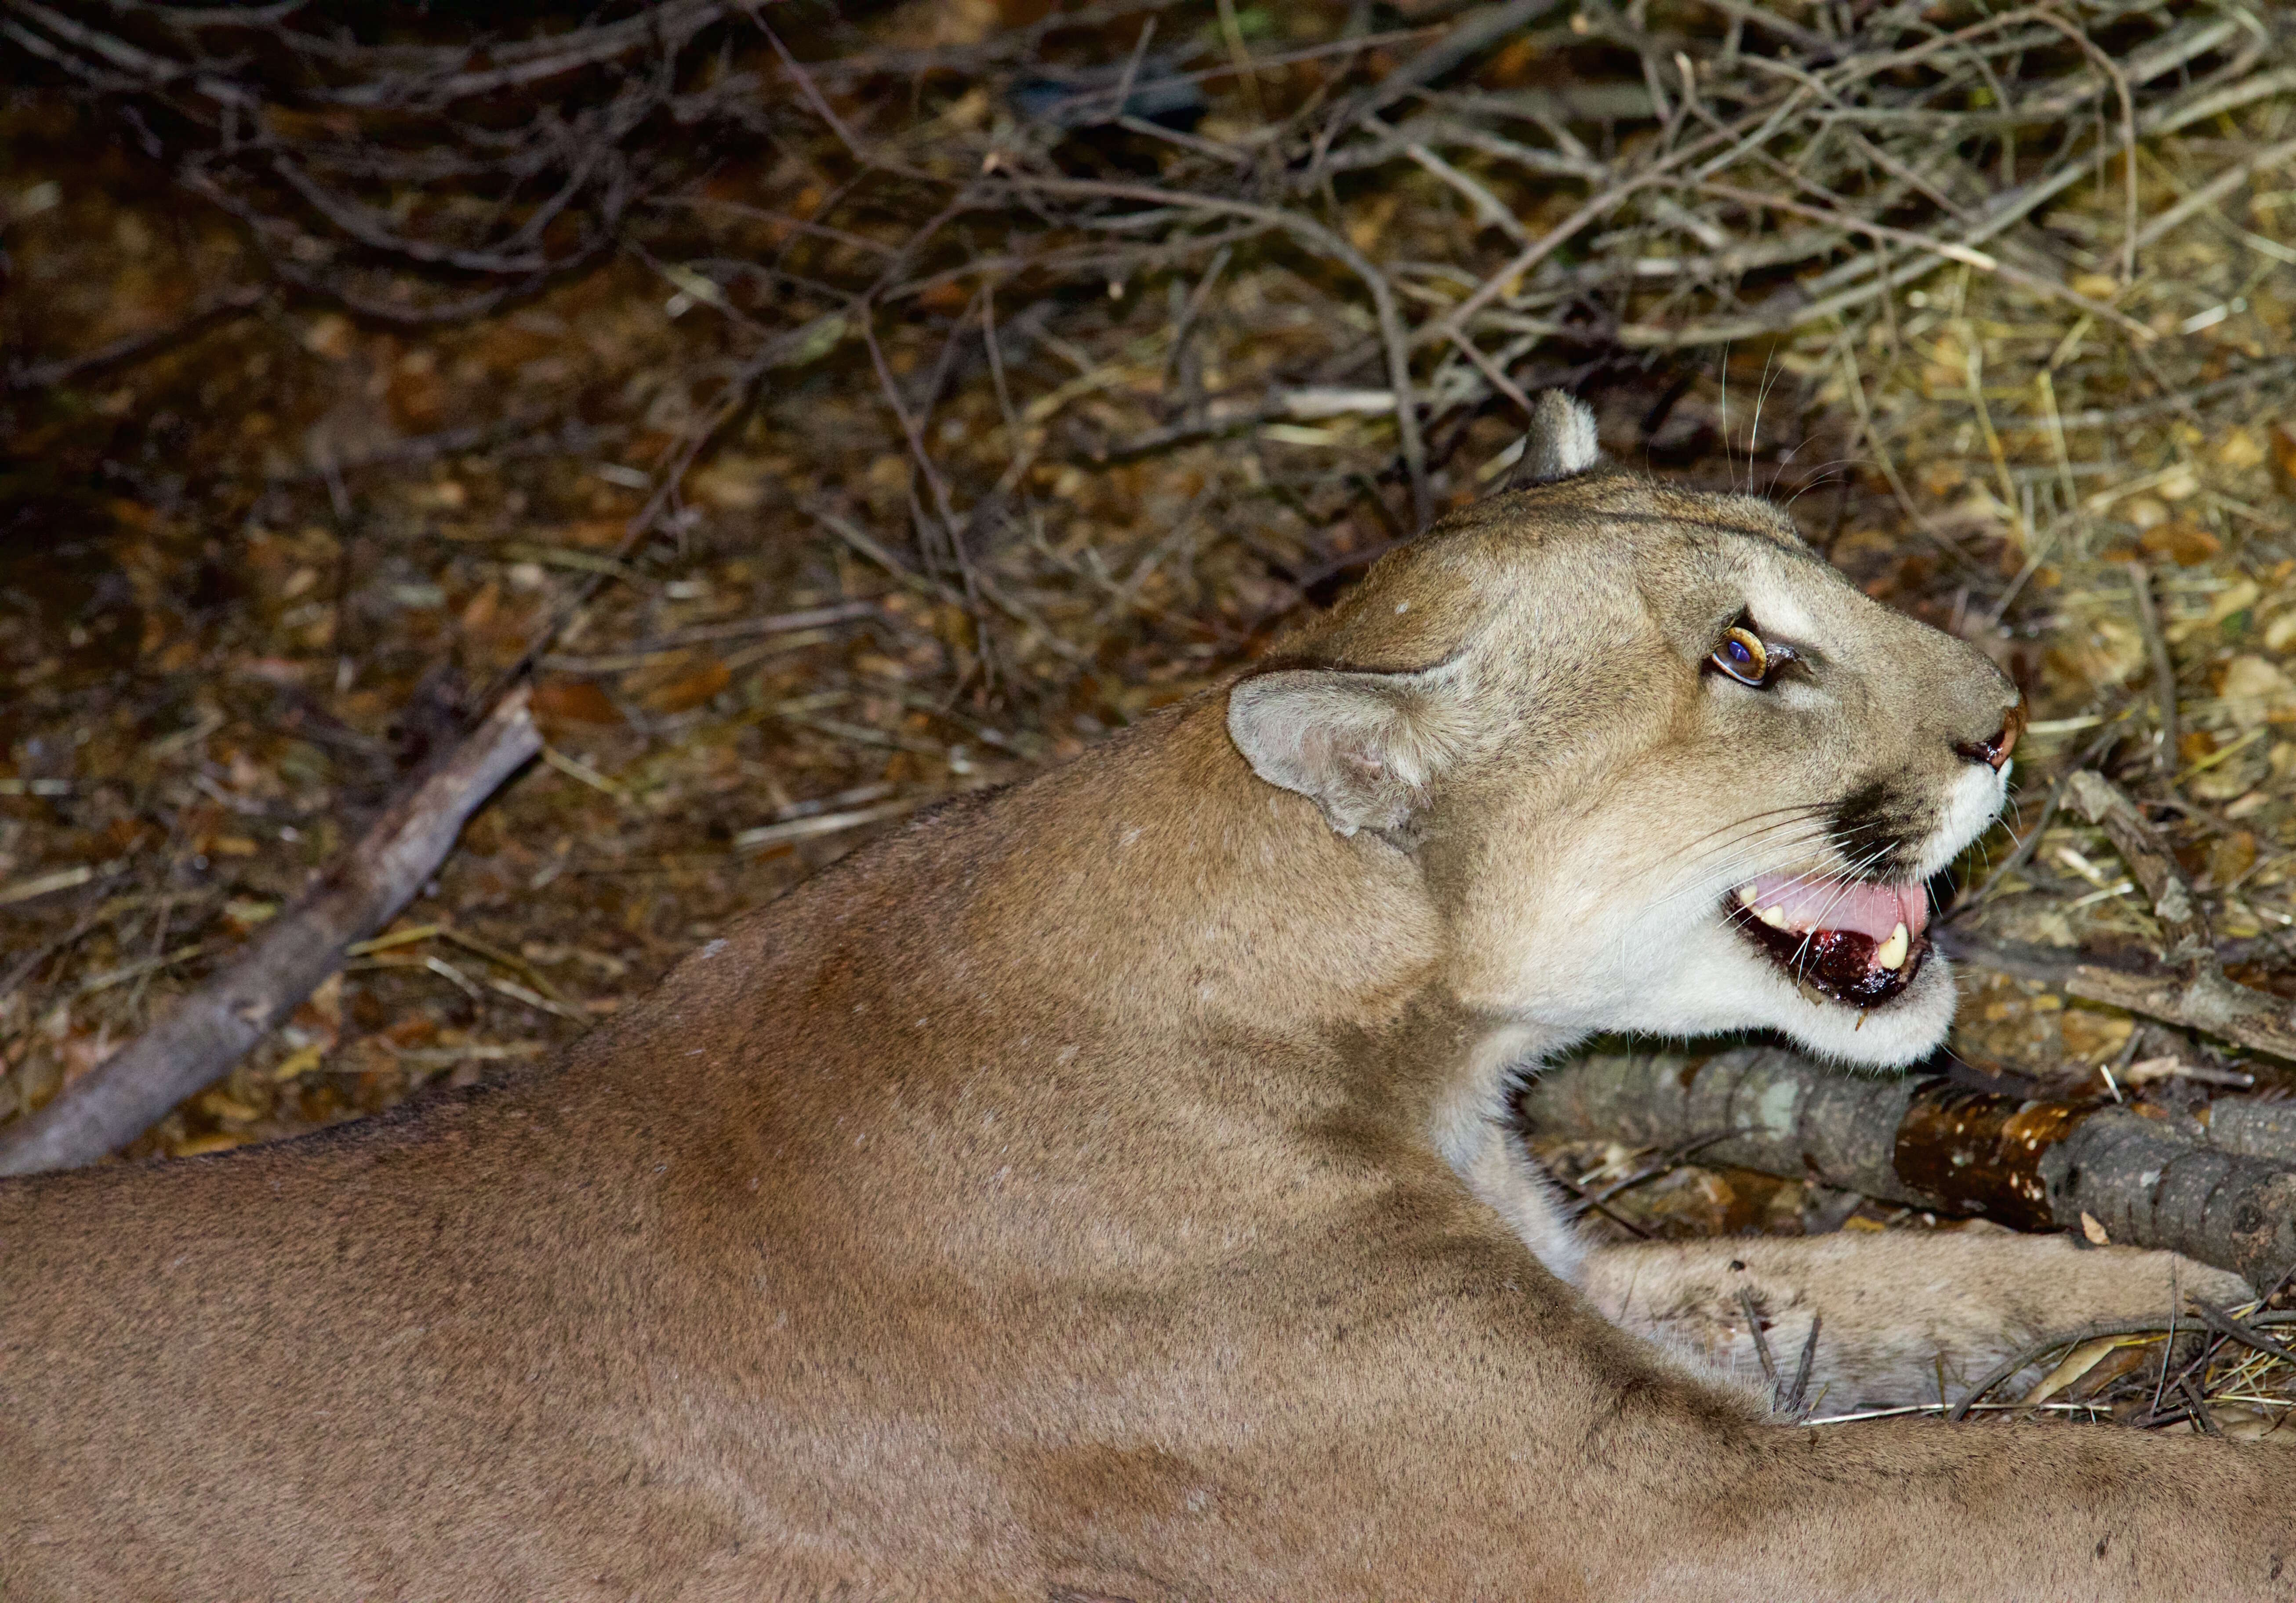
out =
column 1204, row 903
column 1211, row 909
column 1204, row 891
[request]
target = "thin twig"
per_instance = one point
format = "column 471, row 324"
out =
column 2164, row 669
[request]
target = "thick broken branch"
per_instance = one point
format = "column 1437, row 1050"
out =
column 2259, row 1128
column 1928, row 1143
column 2147, row 1185
column 1781, row 1114
column 210, row 1029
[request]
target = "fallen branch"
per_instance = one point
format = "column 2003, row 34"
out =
column 2252, row 1125
column 2211, row 1003
column 2148, row 1186
column 2199, row 997
column 2208, row 1002
column 210, row 1029
column 1782, row 1114
column 1927, row 1143
column 135, row 347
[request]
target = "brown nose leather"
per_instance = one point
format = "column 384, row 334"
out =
column 1994, row 752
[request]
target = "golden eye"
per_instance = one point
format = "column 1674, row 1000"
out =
column 1743, row 656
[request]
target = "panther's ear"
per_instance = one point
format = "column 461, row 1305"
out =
column 1361, row 746
column 1560, row 442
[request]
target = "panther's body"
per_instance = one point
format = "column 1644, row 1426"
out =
column 1103, row 1190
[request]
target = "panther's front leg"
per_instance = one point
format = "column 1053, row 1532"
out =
column 1897, row 1312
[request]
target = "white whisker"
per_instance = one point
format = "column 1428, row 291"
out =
column 1847, row 877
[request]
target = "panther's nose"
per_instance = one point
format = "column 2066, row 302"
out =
column 1993, row 751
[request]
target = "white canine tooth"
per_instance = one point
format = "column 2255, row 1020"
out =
column 1774, row 916
column 1745, row 896
column 1892, row 953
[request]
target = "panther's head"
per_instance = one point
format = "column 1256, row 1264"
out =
column 1659, row 768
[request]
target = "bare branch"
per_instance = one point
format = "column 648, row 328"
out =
column 214, row 1026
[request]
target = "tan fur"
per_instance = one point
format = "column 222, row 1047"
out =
column 1101, row 1190
column 1896, row 1316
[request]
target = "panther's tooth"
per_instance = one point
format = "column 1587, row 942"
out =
column 1774, row 916
column 1892, row 951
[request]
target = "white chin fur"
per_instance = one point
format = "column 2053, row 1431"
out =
column 1719, row 982
column 1902, row 1031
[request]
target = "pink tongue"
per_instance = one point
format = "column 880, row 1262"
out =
column 1848, row 904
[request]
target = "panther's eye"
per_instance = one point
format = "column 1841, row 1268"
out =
column 1743, row 656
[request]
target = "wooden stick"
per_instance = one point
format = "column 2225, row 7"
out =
column 2210, row 1003
column 210, row 1029
column 1477, row 30
column 2195, row 993
column 2114, row 811
column 1927, row 1143
column 1775, row 1113
column 2147, row 1186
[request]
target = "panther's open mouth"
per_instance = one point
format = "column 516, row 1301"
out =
column 1856, row 941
